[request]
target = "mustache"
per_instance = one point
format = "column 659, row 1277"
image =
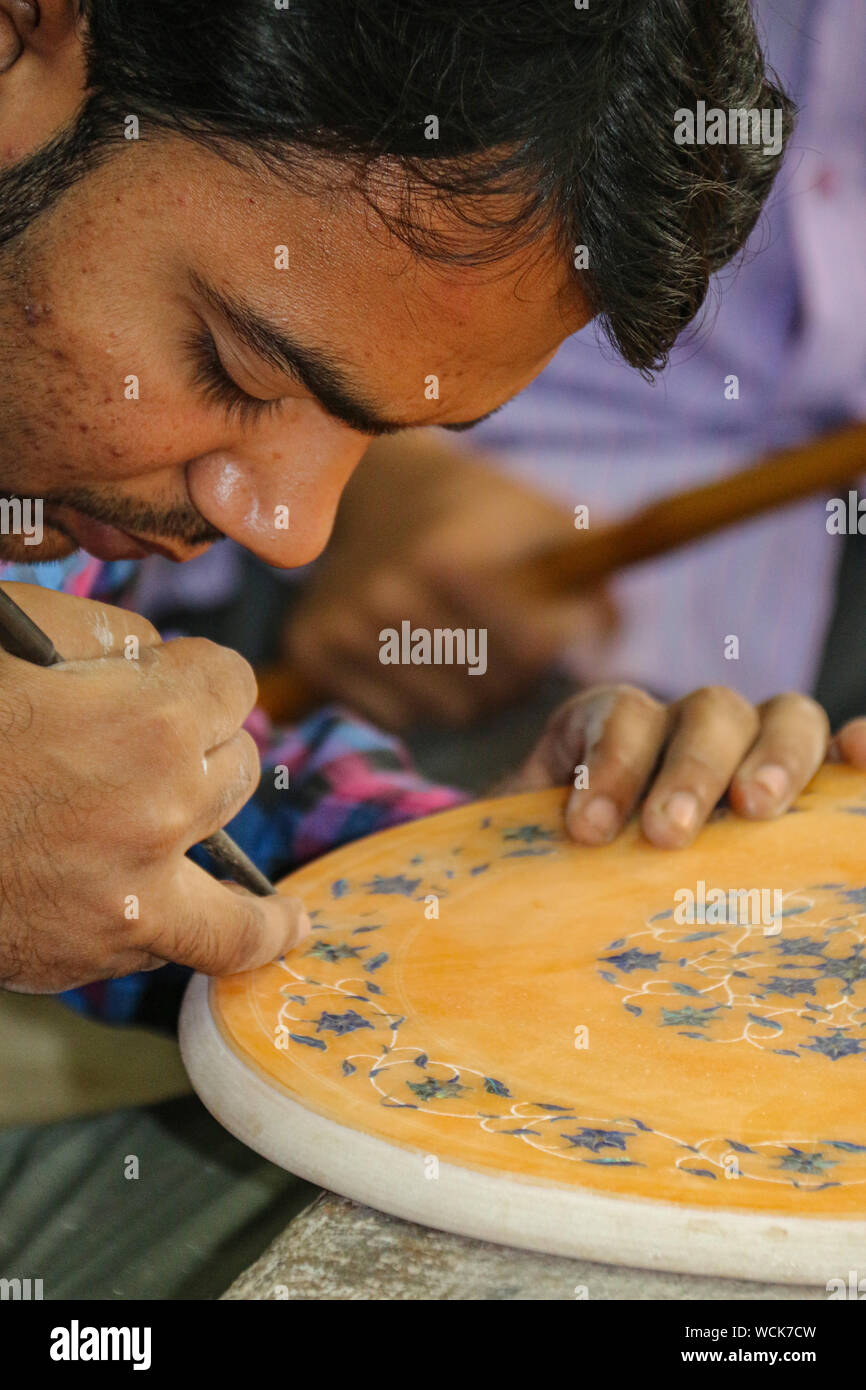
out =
column 177, row 523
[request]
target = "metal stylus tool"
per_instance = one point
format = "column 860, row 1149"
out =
column 21, row 637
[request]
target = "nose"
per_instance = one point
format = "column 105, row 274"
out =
column 276, row 491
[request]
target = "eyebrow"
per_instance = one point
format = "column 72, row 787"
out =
column 311, row 368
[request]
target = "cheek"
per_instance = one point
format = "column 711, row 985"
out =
column 94, row 391
column 72, row 411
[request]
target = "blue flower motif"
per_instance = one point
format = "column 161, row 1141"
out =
column 800, row 946
column 349, row 1022
column 430, row 1089
column 798, row 1161
column 789, row 987
column 325, row 950
column 849, row 969
column 699, row 1018
column 397, row 883
column 836, row 1045
column 633, row 959
column 596, row 1139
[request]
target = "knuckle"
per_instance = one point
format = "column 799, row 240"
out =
column 240, row 782
column 796, row 703
column 229, row 674
column 722, row 700
column 620, row 766
column 140, row 627
column 639, row 701
column 223, row 668
column 161, row 826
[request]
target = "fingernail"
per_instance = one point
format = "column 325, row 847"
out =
column 774, row 780
column 601, row 816
column 304, row 926
column 682, row 810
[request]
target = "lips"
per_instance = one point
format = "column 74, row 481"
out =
column 109, row 542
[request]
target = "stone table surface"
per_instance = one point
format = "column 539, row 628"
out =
column 338, row 1250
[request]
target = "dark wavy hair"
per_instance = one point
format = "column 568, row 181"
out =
column 570, row 110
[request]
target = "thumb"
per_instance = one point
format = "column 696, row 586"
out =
column 221, row 929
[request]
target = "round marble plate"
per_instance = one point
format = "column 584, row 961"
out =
column 644, row 1058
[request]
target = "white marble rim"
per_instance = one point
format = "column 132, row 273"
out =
column 554, row 1218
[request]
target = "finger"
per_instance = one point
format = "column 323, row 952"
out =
column 625, row 732
column 226, row 779
column 444, row 692
column 345, row 660
column 714, row 728
column 346, row 674
column 787, row 753
column 849, row 744
column 80, row 628
column 220, row 928
column 524, row 634
column 215, row 682
column 324, row 648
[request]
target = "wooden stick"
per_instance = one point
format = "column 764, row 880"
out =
column 672, row 522
column 777, row 481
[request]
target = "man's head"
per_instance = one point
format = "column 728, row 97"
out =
column 241, row 238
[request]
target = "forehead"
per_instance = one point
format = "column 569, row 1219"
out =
column 351, row 285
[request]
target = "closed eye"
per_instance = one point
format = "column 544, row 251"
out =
column 215, row 384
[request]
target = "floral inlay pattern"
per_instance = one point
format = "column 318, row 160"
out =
column 478, row 988
column 803, row 990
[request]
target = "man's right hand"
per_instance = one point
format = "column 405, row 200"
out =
column 111, row 766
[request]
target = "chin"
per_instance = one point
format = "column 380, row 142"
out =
column 53, row 546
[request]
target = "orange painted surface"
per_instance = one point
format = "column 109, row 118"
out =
column 708, row 1047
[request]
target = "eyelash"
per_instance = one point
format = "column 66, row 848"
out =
column 217, row 386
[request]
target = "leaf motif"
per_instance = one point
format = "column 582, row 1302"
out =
column 309, row 1042
column 616, row 1162
column 495, row 1088
column 766, row 1023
